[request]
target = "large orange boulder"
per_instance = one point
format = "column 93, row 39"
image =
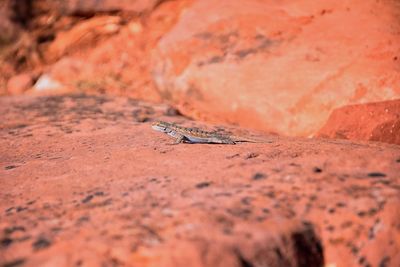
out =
column 278, row 66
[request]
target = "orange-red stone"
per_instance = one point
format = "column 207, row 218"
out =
column 279, row 66
column 85, row 181
column 378, row 121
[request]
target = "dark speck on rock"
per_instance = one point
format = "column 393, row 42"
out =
column 362, row 260
column 270, row 194
column 14, row 263
column 346, row 224
column 361, row 213
column 172, row 112
column 243, row 261
column 376, row 174
column 9, row 167
column 9, row 209
column 265, row 210
column 259, row 176
column 317, row 170
column 340, row 204
column 106, row 202
column 384, row 262
column 99, row 193
column 56, row 229
column 313, row 197
column 251, row 155
column 19, row 208
column 83, row 219
column 239, row 212
column 31, row 202
column 41, row 243
column 246, row 200
column 5, row 242
column 143, row 119
column 202, row 185
column 10, row 230
column 87, row 199
column 330, row 228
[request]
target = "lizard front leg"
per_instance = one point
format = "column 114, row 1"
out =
column 179, row 139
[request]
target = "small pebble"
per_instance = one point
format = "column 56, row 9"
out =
column 259, row 176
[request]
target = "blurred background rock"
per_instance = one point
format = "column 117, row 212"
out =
column 276, row 67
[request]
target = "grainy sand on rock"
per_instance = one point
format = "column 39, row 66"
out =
column 85, row 181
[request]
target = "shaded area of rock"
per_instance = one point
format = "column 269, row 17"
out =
column 9, row 30
column 86, row 181
column 378, row 121
column 90, row 7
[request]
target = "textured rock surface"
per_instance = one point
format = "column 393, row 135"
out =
column 110, row 54
column 373, row 121
column 86, row 182
column 279, row 66
column 274, row 66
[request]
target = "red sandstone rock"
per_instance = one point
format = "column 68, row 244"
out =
column 85, row 181
column 220, row 62
column 117, row 64
column 378, row 121
column 278, row 66
column 19, row 84
column 83, row 34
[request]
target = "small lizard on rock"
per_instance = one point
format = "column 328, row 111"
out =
column 194, row 135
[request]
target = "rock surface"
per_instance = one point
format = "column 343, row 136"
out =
column 86, row 182
column 279, row 66
column 373, row 121
column 273, row 66
column 20, row 83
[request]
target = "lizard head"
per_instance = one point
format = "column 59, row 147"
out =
column 161, row 126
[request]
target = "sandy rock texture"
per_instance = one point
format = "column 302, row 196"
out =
column 85, row 181
column 279, row 66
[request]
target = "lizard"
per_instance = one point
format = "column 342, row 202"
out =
column 195, row 135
